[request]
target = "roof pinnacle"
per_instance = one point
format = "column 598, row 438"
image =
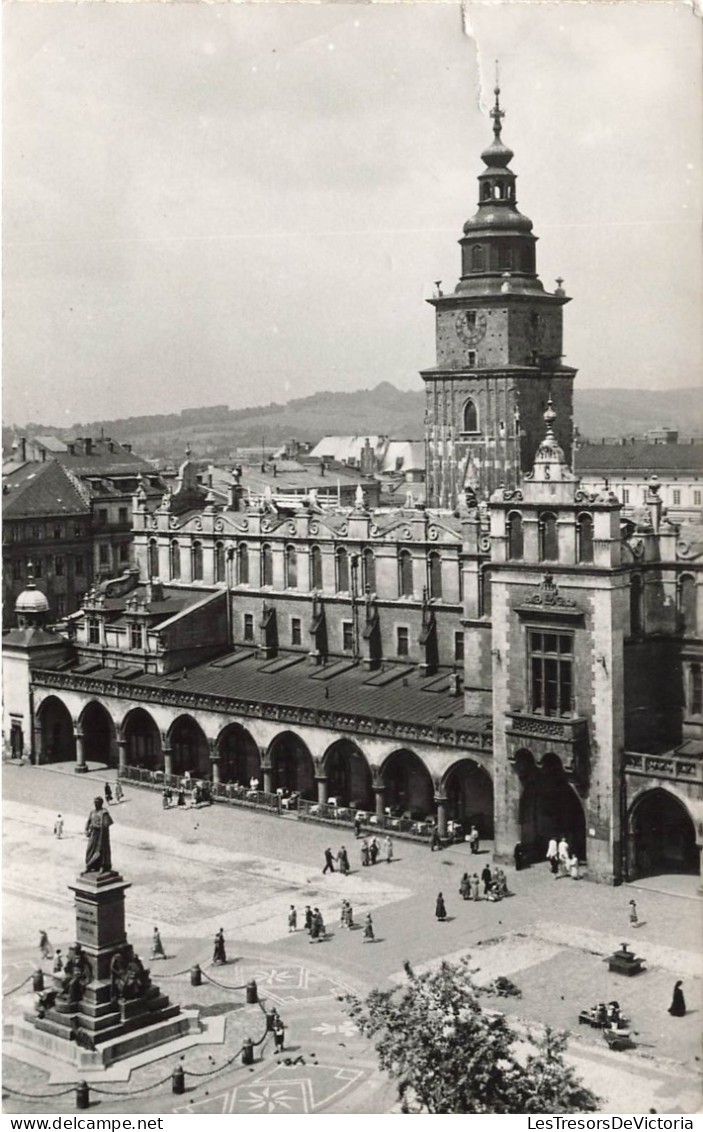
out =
column 496, row 113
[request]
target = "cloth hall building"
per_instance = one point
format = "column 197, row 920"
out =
column 516, row 654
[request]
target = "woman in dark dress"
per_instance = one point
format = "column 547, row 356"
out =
column 219, row 954
column 440, row 911
column 678, row 1002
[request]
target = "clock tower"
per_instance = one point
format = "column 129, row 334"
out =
column 499, row 349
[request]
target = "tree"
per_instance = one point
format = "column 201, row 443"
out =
column 449, row 1055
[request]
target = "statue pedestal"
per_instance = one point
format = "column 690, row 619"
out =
column 104, row 1007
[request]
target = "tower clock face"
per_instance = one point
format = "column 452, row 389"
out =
column 471, row 326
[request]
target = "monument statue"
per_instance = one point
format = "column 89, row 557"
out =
column 97, row 829
column 77, row 974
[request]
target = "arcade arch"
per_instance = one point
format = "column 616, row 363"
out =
column 662, row 836
column 549, row 807
column 142, row 740
column 348, row 776
column 292, row 766
column 58, row 742
column 469, row 791
column 239, row 755
column 409, row 787
column 189, row 747
column 99, row 743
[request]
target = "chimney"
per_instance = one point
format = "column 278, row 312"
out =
column 274, row 469
column 323, row 469
column 23, row 448
column 127, row 447
column 88, row 446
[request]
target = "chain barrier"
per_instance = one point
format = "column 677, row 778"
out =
column 37, row 1096
column 131, row 1092
column 223, row 986
column 18, row 987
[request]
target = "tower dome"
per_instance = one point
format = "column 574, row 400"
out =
column 31, row 605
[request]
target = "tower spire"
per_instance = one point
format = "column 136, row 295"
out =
column 496, row 113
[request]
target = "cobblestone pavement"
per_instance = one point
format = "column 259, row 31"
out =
column 197, row 870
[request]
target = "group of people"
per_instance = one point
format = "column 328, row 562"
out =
column 342, row 860
column 314, row 924
column 495, row 885
column 371, row 850
column 562, row 861
column 200, row 795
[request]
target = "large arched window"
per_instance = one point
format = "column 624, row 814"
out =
column 687, row 604
column 584, row 538
column 516, row 537
column 435, row 575
column 405, row 574
column 315, row 568
column 153, row 558
column 197, row 561
column 342, row 561
column 470, row 417
column 477, row 258
column 291, row 568
column 266, row 565
column 174, row 560
column 242, row 564
column 636, row 604
column 220, row 562
column 548, row 541
column 368, row 565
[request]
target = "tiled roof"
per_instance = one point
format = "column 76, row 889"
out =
column 41, row 490
column 351, row 692
column 639, row 456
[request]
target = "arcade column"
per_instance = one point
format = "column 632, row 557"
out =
column 321, row 780
column 380, row 792
column 441, row 804
column 80, row 767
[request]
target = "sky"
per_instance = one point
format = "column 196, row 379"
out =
column 238, row 204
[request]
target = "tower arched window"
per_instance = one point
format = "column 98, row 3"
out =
column 636, row 604
column 220, row 562
column 153, row 558
column 266, row 565
column 516, row 535
column 197, row 561
column 696, row 690
column 687, row 605
column 291, row 568
column 435, row 575
column 315, row 568
column 368, row 565
column 505, row 258
column 548, row 540
column 405, row 574
column 342, row 563
column 470, row 417
column 242, row 564
column 477, row 258
column 174, row 560
column 584, row 538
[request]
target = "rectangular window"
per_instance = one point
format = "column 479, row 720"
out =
column 80, row 565
column 124, row 552
column 248, row 626
column 35, row 533
column 58, row 566
column 347, row 636
column 60, row 605
column 296, row 635
column 93, row 631
column 101, row 516
column 458, row 646
column 472, row 358
column 402, row 641
column 103, row 554
column 677, row 497
column 696, row 498
column 80, row 598
column 625, row 495
column 77, row 530
column 58, row 530
column 551, row 661
column 123, row 515
column 16, row 571
column 38, row 564
column 136, row 637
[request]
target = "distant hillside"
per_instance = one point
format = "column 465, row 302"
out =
column 217, row 431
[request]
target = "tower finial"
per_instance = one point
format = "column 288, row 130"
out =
column 496, row 112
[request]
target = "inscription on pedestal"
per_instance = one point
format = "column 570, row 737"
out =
column 87, row 923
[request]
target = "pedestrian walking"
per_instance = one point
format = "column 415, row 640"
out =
column 518, row 856
column 329, row 862
column 553, row 856
column 388, row 848
column 45, row 945
column 279, row 1033
column 374, row 849
column 487, row 879
column 435, row 842
column 108, row 793
column 319, row 931
column 364, row 852
column 58, row 827
column 119, row 792
column 475, row 887
column 343, row 915
column 181, row 797
column 292, row 919
column 440, row 911
column 219, row 954
column 308, row 919
column 564, row 857
column 574, row 870
column 474, row 839
column 465, row 887
column 164, row 800
column 678, row 1002
column 634, row 920
column 357, row 826
column 368, row 930
column 157, row 947
column 343, row 861
column 58, row 962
